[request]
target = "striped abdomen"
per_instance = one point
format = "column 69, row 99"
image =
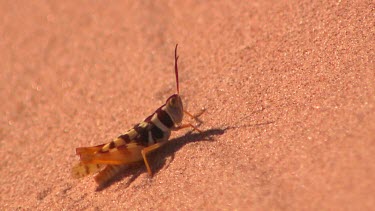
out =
column 155, row 128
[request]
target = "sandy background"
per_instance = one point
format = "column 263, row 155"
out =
column 289, row 88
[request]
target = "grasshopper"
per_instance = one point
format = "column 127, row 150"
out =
column 134, row 145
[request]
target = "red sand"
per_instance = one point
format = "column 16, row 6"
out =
column 294, row 81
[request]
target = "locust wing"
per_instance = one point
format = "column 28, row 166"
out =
column 82, row 170
column 93, row 160
column 124, row 154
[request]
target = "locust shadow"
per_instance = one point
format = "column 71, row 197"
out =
column 157, row 158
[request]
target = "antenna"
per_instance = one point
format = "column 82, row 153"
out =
column 175, row 68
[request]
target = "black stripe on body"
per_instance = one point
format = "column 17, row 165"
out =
column 143, row 134
column 126, row 138
column 164, row 118
column 142, row 137
column 157, row 133
column 112, row 145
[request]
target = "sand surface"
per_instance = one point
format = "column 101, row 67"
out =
column 288, row 88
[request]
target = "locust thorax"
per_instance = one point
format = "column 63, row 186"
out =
column 175, row 108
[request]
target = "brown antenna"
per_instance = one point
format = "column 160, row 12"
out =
column 175, row 68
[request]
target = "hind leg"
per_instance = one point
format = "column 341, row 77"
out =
column 149, row 149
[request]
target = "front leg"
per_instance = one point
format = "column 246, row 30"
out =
column 187, row 125
column 196, row 116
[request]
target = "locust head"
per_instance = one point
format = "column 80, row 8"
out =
column 175, row 108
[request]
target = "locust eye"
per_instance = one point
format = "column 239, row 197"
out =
column 173, row 101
